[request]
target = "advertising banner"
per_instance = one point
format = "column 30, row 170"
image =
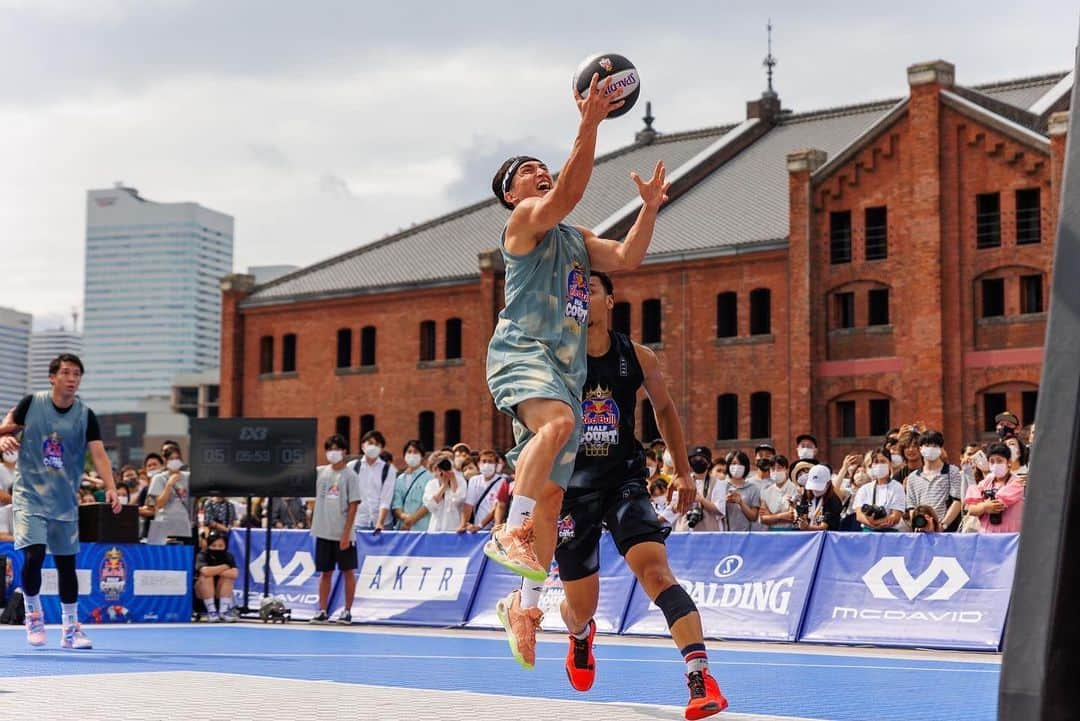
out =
column 118, row 583
column 425, row 579
column 292, row 570
column 935, row 590
column 747, row 586
column 616, row 583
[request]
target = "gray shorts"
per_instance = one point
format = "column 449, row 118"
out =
column 61, row 538
column 526, row 380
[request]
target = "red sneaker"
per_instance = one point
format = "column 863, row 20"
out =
column 705, row 696
column 580, row 664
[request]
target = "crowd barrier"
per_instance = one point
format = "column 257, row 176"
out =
column 948, row 591
column 118, row 582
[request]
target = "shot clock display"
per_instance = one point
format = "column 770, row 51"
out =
column 253, row 457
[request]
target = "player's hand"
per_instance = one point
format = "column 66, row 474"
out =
column 9, row 444
column 653, row 193
column 682, row 492
column 113, row 500
column 596, row 106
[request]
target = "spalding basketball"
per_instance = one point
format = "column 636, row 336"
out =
column 625, row 81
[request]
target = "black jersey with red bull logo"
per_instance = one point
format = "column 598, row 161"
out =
column 608, row 451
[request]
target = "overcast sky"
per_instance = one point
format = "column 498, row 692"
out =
column 321, row 126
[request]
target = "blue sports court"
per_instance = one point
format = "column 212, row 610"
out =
column 299, row 672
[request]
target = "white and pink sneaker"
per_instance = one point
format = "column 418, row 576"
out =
column 74, row 638
column 35, row 628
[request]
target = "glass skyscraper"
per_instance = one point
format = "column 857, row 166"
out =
column 14, row 355
column 152, row 301
column 46, row 345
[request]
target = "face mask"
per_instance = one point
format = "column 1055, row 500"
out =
column 335, row 456
column 805, row 453
column 700, row 465
column 818, row 494
column 930, row 453
column 1000, row 470
column 879, row 470
column 668, row 460
column 801, row 479
column 861, row 477
column 175, row 464
column 1014, row 453
column 371, row 451
column 487, row 469
column 458, row 463
column 11, row 457
column 736, row 471
column 152, row 471
column 778, row 477
column 764, row 464
column 896, row 459
column 412, row 460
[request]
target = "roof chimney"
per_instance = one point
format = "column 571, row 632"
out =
column 646, row 135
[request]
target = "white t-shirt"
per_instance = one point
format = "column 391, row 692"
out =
column 778, row 499
column 890, row 496
column 446, row 514
column 7, row 520
column 479, row 492
column 375, row 494
column 718, row 491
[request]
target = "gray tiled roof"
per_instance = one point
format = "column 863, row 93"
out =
column 744, row 202
column 747, row 200
column 1021, row 93
column 449, row 245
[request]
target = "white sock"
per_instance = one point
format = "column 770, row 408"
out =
column 224, row 604
column 69, row 613
column 530, row 593
column 583, row 633
column 520, row 509
column 31, row 604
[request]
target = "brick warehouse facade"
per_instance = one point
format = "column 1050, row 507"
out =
column 901, row 272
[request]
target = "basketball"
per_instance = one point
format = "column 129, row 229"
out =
column 625, row 83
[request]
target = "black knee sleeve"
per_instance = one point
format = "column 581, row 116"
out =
column 33, row 560
column 675, row 602
column 67, row 579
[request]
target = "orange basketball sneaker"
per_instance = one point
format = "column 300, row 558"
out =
column 580, row 664
column 705, row 696
column 512, row 548
column 521, row 625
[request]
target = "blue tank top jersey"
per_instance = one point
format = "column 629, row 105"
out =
column 544, row 322
column 52, row 454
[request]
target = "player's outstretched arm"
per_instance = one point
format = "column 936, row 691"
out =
column 670, row 425
column 611, row 255
column 534, row 216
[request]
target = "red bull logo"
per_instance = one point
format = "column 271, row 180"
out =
column 112, row 575
column 600, row 422
column 577, row 296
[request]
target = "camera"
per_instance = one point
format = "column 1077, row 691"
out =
column 802, row 508
column 990, row 494
column 694, row 516
column 919, row 523
column 877, row 513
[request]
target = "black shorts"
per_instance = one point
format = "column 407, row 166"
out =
column 328, row 554
column 625, row 510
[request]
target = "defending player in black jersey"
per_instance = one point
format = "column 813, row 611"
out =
column 608, row 489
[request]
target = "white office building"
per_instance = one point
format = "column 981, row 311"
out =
column 152, row 303
column 14, row 353
column 46, row 345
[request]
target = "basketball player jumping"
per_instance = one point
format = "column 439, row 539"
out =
column 57, row 430
column 609, row 488
column 536, row 357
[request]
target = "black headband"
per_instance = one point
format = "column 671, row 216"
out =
column 518, row 161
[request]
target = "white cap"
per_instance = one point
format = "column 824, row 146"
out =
column 818, row 479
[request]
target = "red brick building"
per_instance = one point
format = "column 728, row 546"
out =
column 838, row 272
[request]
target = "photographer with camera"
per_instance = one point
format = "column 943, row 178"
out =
column 998, row 500
column 879, row 506
column 924, row 519
column 819, row 508
column 937, row 484
column 707, row 513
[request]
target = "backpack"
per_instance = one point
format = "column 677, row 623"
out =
column 14, row 614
